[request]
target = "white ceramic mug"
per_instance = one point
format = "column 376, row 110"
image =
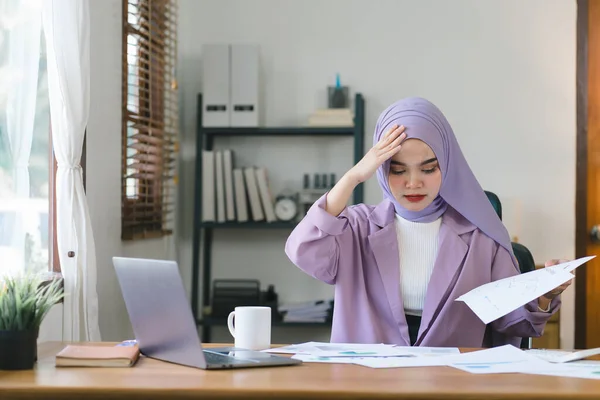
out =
column 250, row 327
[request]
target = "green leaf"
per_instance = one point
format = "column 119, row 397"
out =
column 24, row 301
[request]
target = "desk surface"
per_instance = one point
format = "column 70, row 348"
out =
column 152, row 379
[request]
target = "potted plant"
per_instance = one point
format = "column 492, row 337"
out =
column 24, row 302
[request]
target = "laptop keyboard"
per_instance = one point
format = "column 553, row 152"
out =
column 218, row 358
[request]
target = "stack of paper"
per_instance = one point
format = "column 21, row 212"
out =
column 370, row 355
column 503, row 359
column 331, row 117
column 312, row 311
column 578, row 369
column 509, row 359
column 563, row 356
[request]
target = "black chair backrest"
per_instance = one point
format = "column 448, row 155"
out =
column 495, row 202
column 522, row 253
column 524, row 257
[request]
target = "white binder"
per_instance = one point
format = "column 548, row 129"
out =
column 265, row 194
column 208, row 186
column 241, row 204
column 220, row 186
column 244, row 85
column 216, row 85
column 253, row 196
column 229, row 192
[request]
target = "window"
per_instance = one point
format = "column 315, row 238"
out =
column 150, row 119
column 26, row 230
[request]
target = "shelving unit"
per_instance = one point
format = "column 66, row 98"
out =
column 203, row 231
column 209, row 321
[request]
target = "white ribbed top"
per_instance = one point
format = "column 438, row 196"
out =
column 418, row 245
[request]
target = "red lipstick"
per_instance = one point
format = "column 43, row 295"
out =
column 414, row 198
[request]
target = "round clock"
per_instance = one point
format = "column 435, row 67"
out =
column 285, row 208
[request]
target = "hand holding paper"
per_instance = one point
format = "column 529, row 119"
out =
column 496, row 299
column 547, row 297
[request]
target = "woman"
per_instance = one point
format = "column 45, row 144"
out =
column 398, row 266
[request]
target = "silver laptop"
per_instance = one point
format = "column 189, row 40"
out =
column 163, row 323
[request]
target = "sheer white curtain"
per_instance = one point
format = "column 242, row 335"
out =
column 66, row 26
column 24, row 57
column 22, row 22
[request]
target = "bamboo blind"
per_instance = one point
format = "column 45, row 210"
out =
column 150, row 118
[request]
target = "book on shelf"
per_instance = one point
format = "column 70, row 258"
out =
column 332, row 117
column 241, row 205
column 228, row 178
column 253, row 196
column 265, row 194
column 208, row 186
column 234, row 193
column 220, row 186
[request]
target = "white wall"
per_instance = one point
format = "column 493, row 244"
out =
column 104, row 169
column 502, row 71
column 51, row 328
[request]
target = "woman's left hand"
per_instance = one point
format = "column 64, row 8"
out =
column 545, row 299
column 558, row 290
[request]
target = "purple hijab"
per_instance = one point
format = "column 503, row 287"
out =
column 460, row 189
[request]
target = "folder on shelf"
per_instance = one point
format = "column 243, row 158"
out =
column 216, row 85
column 208, row 186
column 265, row 194
column 244, row 85
column 241, row 204
column 229, row 192
column 220, row 186
column 253, row 196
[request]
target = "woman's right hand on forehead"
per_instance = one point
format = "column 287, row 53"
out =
column 388, row 145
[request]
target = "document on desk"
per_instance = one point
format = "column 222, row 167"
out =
column 402, row 362
column 496, row 299
column 502, row 359
column 324, row 349
column 308, row 358
column 360, row 350
column 429, row 351
column 334, row 352
column 390, row 352
column 587, row 369
column 563, row 356
column 405, row 357
column 300, row 348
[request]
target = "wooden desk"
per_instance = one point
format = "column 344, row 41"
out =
column 152, row 379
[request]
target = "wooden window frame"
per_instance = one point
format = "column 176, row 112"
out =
column 146, row 213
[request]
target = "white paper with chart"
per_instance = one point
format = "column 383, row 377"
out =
column 496, row 299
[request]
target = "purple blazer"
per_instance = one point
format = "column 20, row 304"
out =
column 358, row 253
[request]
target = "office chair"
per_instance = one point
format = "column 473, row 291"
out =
column 522, row 253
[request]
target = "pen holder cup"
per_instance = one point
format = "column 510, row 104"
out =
column 338, row 97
